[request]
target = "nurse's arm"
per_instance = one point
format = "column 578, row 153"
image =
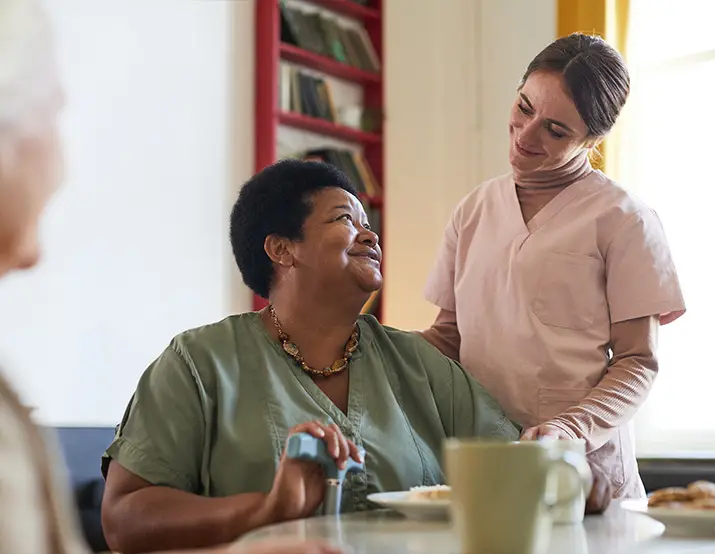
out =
column 444, row 334
column 622, row 390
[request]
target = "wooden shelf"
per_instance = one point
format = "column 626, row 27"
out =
column 349, row 9
column 327, row 65
column 327, row 128
column 372, row 201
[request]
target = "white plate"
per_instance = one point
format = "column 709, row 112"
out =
column 677, row 521
column 413, row 509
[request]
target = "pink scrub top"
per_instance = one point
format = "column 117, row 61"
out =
column 534, row 301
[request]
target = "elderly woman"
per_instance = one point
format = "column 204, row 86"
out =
column 198, row 455
column 36, row 515
column 198, row 458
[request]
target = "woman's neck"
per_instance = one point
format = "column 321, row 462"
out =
column 574, row 170
column 319, row 329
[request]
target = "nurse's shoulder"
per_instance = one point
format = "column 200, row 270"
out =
column 489, row 195
column 619, row 210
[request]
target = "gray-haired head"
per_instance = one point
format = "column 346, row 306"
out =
column 30, row 156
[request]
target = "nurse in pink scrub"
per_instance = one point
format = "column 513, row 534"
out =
column 552, row 280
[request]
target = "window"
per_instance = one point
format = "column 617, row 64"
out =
column 667, row 157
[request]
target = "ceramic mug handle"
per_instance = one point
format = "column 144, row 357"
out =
column 580, row 478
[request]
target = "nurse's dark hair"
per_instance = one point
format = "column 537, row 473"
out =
column 277, row 200
column 595, row 75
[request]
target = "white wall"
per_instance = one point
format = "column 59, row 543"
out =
column 452, row 71
column 136, row 241
column 511, row 33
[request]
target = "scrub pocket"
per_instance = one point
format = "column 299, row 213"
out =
column 569, row 293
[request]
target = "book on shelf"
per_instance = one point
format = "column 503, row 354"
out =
column 350, row 162
column 324, row 35
column 305, row 94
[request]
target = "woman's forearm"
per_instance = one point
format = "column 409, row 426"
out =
column 444, row 334
column 160, row 518
column 623, row 389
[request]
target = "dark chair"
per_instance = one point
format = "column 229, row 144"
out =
column 82, row 448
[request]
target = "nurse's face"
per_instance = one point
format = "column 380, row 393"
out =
column 545, row 128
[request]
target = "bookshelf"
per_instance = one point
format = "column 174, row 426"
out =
column 291, row 53
column 319, row 90
column 322, row 127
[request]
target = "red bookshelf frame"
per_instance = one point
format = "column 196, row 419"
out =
column 270, row 51
column 327, row 128
column 344, row 71
column 351, row 9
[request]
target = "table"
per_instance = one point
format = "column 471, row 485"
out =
column 386, row 532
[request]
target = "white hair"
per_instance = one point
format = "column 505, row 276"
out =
column 29, row 84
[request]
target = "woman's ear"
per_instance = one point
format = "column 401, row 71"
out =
column 592, row 142
column 278, row 250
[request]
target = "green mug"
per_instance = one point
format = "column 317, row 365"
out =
column 503, row 493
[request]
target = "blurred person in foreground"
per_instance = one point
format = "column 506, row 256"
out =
column 36, row 515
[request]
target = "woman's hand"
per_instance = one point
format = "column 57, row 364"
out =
column 299, row 486
column 544, row 431
column 600, row 497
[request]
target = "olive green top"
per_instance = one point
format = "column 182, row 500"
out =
column 211, row 415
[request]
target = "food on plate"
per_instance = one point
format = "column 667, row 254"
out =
column 670, row 494
column 705, row 503
column 435, row 492
column 701, row 489
column 699, row 495
column 670, row 505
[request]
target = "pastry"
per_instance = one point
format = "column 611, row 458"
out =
column 670, row 494
column 704, row 503
column 701, row 489
column 699, row 495
column 436, row 492
column 673, row 505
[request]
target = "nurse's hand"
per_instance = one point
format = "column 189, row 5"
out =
column 299, row 486
column 544, row 431
column 600, row 497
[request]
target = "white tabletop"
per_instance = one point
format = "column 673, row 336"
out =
column 385, row 532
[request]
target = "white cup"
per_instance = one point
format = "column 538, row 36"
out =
column 570, row 512
column 504, row 493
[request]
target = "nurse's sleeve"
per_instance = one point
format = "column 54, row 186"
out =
column 440, row 282
column 640, row 274
column 629, row 377
column 161, row 437
column 643, row 292
column 444, row 333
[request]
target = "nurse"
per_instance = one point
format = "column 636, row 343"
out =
column 552, row 280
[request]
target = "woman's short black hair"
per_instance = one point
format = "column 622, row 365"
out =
column 595, row 75
column 277, row 200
